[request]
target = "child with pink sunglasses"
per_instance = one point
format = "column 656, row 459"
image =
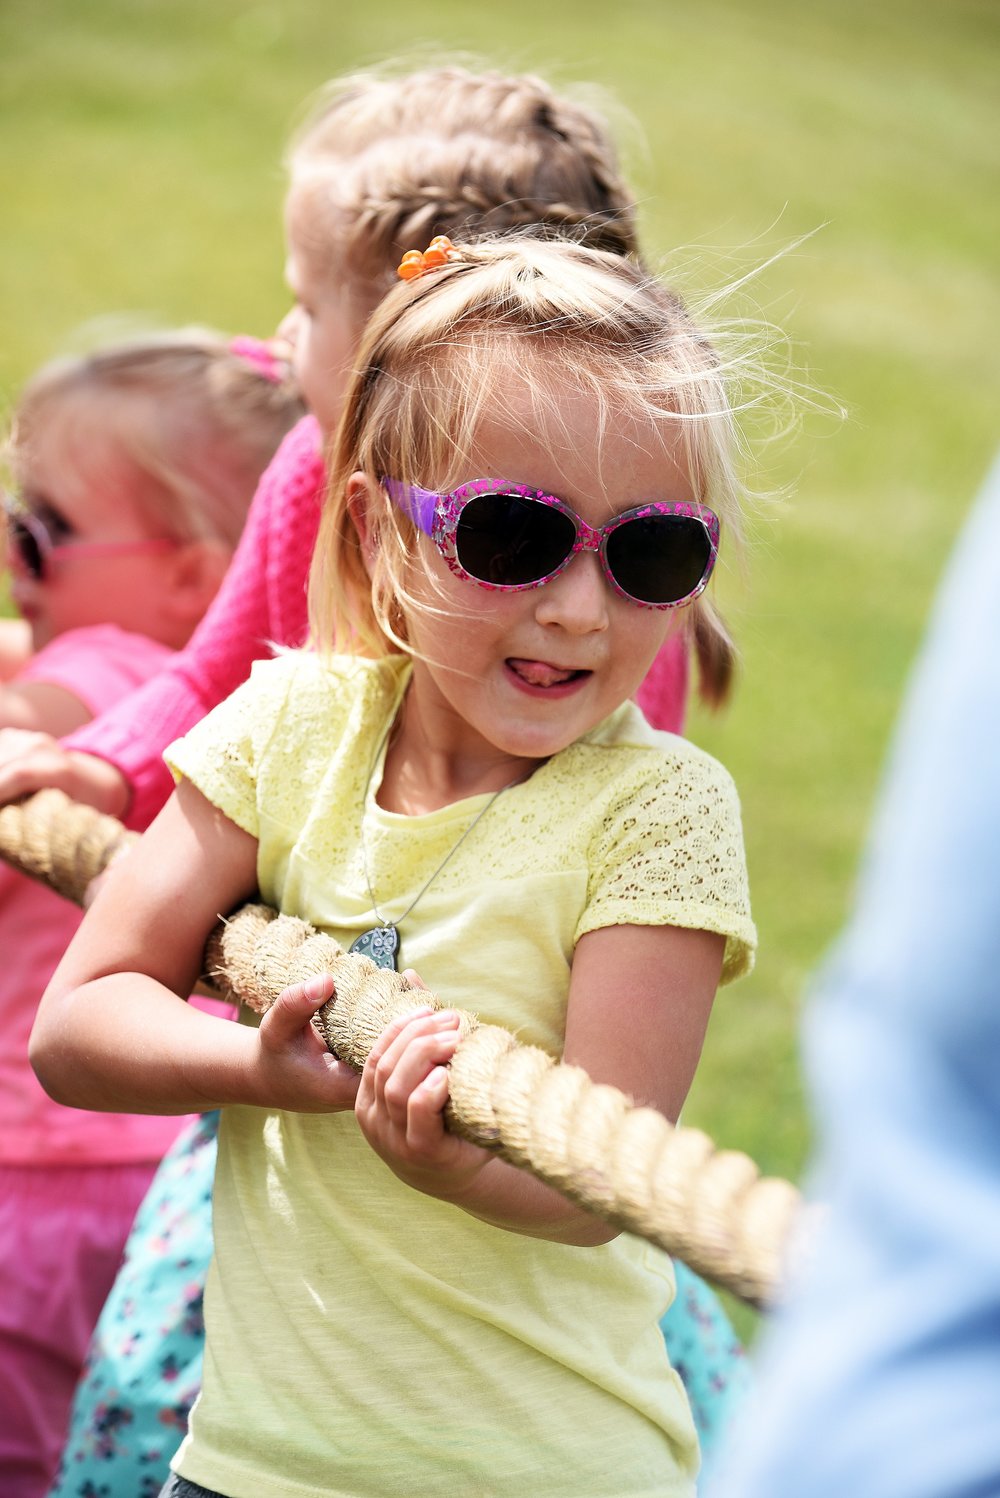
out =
column 455, row 780
column 383, row 161
column 133, row 471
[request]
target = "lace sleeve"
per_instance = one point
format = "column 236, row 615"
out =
column 669, row 851
column 221, row 755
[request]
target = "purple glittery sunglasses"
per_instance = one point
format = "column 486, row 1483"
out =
column 509, row 536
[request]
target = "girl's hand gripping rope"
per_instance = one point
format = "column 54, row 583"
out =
column 401, row 1101
column 292, row 1065
column 31, row 761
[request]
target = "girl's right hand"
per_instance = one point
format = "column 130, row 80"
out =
column 293, row 1068
column 32, row 761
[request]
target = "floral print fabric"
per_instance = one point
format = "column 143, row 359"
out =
column 143, row 1369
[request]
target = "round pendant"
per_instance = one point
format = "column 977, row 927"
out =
column 381, row 944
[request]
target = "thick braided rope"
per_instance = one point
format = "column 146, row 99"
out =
column 60, row 842
column 628, row 1165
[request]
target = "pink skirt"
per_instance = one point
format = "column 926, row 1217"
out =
column 62, row 1231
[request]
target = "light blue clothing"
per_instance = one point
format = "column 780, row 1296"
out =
column 713, row 1365
column 883, row 1378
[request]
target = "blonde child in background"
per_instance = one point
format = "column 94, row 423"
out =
column 382, row 162
column 133, row 471
column 477, row 795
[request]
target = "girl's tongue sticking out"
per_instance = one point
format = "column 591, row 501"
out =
column 540, row 674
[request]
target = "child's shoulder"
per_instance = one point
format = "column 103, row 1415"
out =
column 624, row 774
column 98, row 663
column 308, row 672
column 292, row 713
column 300, row 452
column 93, row 641
column 328, row 691
column 624, row 743
column 298, row 466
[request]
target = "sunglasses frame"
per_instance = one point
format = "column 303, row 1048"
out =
column 438, row 515
column 21, row 521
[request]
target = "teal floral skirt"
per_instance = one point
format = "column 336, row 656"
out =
column 143, row 1369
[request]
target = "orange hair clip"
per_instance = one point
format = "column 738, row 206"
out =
column 415, row 262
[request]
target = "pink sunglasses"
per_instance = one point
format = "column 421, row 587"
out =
column 33, row 546
column 658, row 555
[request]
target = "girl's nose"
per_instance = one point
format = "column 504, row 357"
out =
column 288, row 327
column 577, row 600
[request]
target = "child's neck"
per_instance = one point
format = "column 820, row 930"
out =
column 425, row 771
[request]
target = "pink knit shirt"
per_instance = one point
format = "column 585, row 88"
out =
column 262, row 603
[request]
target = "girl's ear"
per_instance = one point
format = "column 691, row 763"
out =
column 195, row 573
column 359, row 506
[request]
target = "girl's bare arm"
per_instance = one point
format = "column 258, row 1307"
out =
column 114, row 1032
column 15, row 643
column 41, row 707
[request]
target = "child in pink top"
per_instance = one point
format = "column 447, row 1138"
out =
column 262, row 601
column 134, row 469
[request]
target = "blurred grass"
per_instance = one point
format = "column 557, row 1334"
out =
column 140, row 171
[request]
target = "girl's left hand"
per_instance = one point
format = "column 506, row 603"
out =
column 400, row 1106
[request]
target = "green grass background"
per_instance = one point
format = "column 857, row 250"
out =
column 140, row 172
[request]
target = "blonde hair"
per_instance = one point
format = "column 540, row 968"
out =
column 466, row 342
column 389, row 161
column 193, row 423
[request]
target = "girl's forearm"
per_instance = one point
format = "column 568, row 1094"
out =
column 509, row 1198
column 15, row 646
column 126, row 1044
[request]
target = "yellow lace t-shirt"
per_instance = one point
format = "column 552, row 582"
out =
column 364, row 1339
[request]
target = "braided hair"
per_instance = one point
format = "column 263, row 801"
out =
column 446, row 151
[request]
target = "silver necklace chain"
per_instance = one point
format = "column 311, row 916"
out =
column 382, row 942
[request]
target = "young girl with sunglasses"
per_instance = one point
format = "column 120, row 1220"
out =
column 526, row 498
column 133, row 468
column 383, row 162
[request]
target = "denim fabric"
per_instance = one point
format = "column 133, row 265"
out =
column 179, row 1487
column 883, row 1376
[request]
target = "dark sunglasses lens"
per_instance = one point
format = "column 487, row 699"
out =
column 26, row 545
column 510, row 541
column 659, row 558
